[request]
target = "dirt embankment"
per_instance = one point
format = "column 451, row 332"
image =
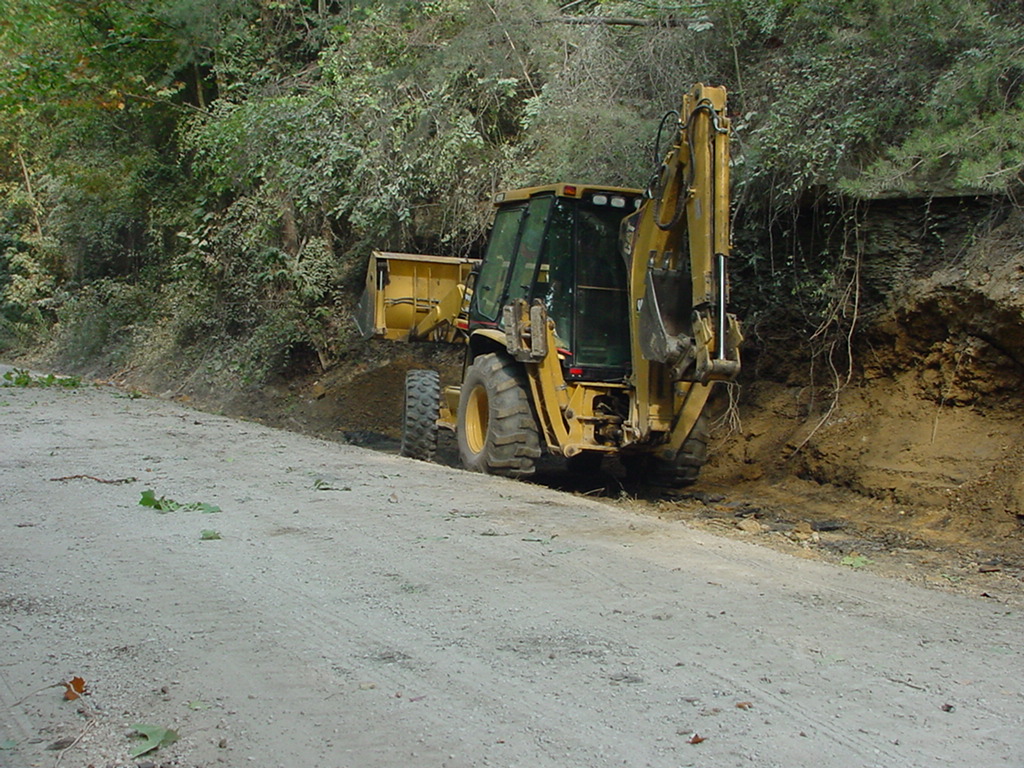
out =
column 927, row 438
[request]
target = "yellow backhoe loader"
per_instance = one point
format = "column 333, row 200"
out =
column 596, row 322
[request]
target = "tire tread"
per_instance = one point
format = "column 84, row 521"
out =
column 419, row 417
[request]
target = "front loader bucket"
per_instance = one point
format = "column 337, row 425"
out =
column 410, row 296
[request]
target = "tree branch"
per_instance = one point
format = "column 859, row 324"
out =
column 622, row 21
column 28, row 190
column 512, row 45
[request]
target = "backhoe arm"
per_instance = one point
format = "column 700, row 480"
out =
column 682, row 335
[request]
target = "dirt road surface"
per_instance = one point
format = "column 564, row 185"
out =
column 362, row 610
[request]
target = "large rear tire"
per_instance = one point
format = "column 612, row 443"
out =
column 419, row 416
column 680, row 472
column 497, row 431
column 685, row 468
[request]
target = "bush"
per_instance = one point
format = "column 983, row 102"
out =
column 98, row 322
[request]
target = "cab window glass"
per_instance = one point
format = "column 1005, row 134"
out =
column 490, row 282
column 555, row 280
column 530, row 244
column 602, row 336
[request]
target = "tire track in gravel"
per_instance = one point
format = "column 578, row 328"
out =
column 916, row 622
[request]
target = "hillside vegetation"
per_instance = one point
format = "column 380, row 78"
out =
column 197, row 183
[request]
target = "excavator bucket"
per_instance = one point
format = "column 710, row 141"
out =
column 412, row 297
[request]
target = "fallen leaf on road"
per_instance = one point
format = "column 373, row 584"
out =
column 163, row 504
column 856, row 560
column 696, row 739
column 74, row 689
column 744, row 705
column 155, row 737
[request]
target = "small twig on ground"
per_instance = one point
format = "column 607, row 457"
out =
column 78, row 697
column 907, row 683
column 25, row 698
column 119, row 481
column 88, row 724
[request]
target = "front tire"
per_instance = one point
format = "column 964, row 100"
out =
column 419, row 416
column 497, row 431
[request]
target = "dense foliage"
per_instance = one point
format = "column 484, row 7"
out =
column 189, row 176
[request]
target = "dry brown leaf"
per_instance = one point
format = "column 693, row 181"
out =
column 744, row 705
column 74, row 689
column 696, row 739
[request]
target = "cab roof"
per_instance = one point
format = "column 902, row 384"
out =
column 564, row 189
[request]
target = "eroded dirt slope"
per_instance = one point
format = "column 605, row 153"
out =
column 928, row 435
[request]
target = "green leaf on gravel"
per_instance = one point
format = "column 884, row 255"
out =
column 155, row 737
column 208, row 535
column 163, row 504
column 856, row 561
column 19, row 377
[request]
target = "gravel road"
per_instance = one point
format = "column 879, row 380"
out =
column 361, row 610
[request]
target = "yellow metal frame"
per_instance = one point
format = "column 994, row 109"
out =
column 566, row 410
column 576, row 191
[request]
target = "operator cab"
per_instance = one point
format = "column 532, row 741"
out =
column 560, row 244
